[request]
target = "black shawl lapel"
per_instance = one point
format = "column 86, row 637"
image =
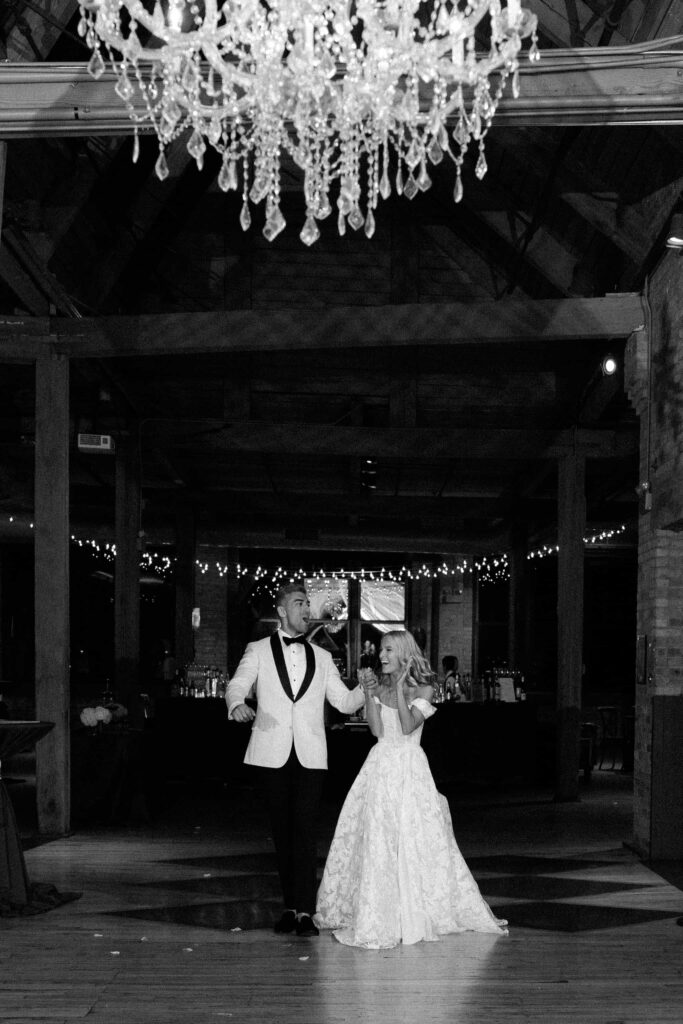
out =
column 310, row 670
column 279, row 659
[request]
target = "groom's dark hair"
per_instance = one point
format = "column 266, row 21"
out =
column 286, row 589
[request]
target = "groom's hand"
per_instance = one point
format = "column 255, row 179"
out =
column 368, row 681
column 243, row 713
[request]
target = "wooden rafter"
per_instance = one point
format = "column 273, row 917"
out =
column 416, row 443
column 508, row 321
column 616, row 85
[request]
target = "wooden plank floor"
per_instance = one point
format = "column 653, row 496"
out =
column 594, row 934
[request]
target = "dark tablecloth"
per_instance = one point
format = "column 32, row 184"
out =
column 18, row 896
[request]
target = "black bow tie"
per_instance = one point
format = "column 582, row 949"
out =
column 287, row 640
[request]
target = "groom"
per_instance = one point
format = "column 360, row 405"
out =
column 291, row 679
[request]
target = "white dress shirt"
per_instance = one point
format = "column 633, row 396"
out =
column 295, row 660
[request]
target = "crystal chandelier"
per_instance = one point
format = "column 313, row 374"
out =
column 346, row 88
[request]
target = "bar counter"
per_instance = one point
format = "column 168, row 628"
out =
column 489, row 743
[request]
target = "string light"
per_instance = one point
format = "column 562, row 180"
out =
column 496, row 568
column 490, row 568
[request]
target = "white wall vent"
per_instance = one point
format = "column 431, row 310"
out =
column 96, row 443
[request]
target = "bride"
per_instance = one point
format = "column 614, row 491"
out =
column 394, row 872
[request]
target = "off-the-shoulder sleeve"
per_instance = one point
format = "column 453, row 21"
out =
column 424, row 707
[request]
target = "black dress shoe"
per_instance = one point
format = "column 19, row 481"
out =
column 305, row 926
column 287, row 923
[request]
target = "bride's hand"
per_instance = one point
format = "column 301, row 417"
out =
column 405, row 673
column 367, row 680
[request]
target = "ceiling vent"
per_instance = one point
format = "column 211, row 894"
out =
column 101, row 443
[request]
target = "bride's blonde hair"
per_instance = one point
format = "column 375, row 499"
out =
column 406, row 647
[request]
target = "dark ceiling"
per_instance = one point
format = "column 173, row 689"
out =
column 271, row 447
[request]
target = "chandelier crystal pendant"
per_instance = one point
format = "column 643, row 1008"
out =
column 363, row 96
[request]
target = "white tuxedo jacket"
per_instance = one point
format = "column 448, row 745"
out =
column 281, row 718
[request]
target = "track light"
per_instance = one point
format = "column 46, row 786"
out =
column 609, row 366
column 674, row 238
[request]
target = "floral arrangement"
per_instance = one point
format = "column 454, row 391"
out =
column 98, row 716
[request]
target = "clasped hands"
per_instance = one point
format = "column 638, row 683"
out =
column 367, row 680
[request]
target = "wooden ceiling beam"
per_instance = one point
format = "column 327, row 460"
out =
column 456, row 542
column 612, row 85
column 660, row 17
column 580, row 188
column 483, row 279
column 28, row 295
column 508, row 321
column 633, row 227
column 417, row 443
column 491, row 224
column 27, row 258
column 130, row 234
column 373, row 505
column 580, row 28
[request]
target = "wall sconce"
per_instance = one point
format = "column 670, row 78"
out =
column 674, row 238
column 609, row 366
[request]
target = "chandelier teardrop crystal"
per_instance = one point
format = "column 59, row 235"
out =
column 358, row 94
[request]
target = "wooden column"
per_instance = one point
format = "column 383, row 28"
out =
column 571, row 526
column 354, row 627
column 51, row 524
column 475, row 623
column 408, row 602
column 435, row 618
column 517, row 604
column 127, row 576
column 3, row 165
column 185, row 527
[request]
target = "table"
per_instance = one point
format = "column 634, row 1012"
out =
column 466, row 742
column 17, row 895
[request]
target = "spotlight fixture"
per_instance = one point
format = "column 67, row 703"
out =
column 609, row 366
column 674, row 238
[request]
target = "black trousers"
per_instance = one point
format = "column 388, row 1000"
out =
column 293, row 796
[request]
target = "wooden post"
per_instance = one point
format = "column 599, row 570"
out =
column 435, row 617
column 517, row 598
column 127, row 576
column 571, row 525
column 475, row 623
column 408, row 602
column 3, row 165
column 184, row 585
column 354, row 628
column 51, row 524
column 237, row 595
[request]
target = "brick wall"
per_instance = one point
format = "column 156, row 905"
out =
column 455, row 623
column 455, row 618
column 660, row 542
column 211, row 597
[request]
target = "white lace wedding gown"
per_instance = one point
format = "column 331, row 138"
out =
column 394, row 872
